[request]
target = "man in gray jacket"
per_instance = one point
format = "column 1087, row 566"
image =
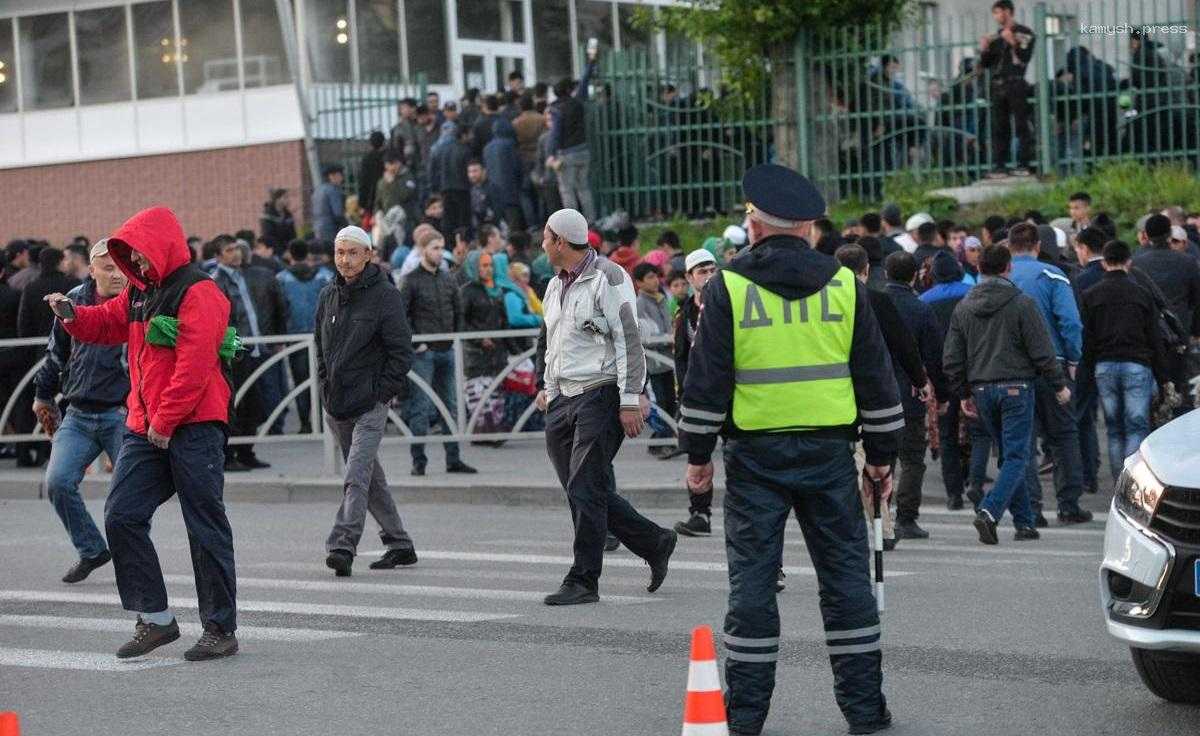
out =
column 594, row 378
column 996, row 347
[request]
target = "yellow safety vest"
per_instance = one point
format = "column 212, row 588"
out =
column 791, row 358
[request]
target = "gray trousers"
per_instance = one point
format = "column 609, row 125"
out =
column 573, row 185
column 366, row 486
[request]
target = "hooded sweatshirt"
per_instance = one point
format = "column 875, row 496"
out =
column 997, row 334
column 169, row 386
column 301, row 285
column 503, row 165
column 788, row 267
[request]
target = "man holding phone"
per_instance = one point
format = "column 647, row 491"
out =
column 94, row 383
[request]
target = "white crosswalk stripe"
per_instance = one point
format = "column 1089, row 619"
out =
column 125, row 625
column 92, row 661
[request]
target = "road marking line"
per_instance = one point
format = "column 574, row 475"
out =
column 403, row 589
column 609, row 561
column 249, row 633
column 310, row 609
column 89, row 661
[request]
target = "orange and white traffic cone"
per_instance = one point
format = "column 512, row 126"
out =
column 10, row 725
column 704, row 707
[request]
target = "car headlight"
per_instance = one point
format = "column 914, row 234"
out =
column 1137, row 487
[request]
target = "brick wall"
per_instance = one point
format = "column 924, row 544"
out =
column 214, row 191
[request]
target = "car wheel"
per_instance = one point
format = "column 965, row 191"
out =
column 1173, row 676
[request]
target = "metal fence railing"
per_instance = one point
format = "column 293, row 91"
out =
column 461, row 421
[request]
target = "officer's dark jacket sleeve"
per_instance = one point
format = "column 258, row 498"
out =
column 881, row 415
column 708, row 384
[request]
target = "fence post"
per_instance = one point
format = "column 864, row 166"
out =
column 803, row 121
column 1045, row 137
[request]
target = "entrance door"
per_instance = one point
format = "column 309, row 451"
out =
column 485, row 69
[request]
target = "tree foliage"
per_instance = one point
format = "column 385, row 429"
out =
column 744, row 35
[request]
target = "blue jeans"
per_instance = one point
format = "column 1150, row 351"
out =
column 1006, row 411
column 77, row 443
column 981, row 453
column 1126, row 390
column 436, row 368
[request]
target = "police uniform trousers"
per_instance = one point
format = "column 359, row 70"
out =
column 767, row 479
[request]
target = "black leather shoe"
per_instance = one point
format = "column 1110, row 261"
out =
column 394, row 558
column 1078, row 516
column 147, row 638
column 1040, row 522
column 84, row 567
column 910, row 530
column 986, row 526
column 658, row 566
column 884, row 723
column 572, row 594
column 253, row 463
column 418, row 469
column 1026, row 534
column 611, row 543
column 233, row 465
column 340, row 561
column 461, row 467
column 213, row 644
column 889, row 545
column 954, row 503
column 698, row 525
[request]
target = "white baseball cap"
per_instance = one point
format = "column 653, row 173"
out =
column 917, row 221
column 571, row 225
column 1178, row 233
column 356, row 235
column 734, row 234
column 697, row 257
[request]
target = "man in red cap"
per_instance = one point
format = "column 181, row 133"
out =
column 174, row 318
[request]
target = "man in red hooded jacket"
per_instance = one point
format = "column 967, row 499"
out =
column 175, row 429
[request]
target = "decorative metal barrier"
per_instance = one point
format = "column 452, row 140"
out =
column 460, row 420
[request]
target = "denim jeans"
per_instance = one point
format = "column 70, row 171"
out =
column 77, row 443
column 1126, row 390
column 436, row 368
column 1006, row 411
column 1057, row 423
column 981, row 453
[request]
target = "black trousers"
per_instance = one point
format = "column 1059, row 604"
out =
column 456, row 212
column 913, row 446
column 251, row 411
column 583, row 434
column 1011, row 112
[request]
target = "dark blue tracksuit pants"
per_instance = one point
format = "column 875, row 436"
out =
column 193, row 466
column 768, row 478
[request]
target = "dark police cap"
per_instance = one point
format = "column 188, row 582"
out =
column 782, row 194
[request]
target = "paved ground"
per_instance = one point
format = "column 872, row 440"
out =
column 1005, row 640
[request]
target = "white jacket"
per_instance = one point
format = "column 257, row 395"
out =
column 592, row 338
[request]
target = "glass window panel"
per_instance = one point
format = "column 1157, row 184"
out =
column 327, row 35
column 154, row 50
column 551, row 44
column 378, row 39
column 425, row 24
column 208, row 46
column 8, row 69
column 479, row 19
column 265, row 56
column 632, row 36
column 102, row 46
column 595, row 21
column 46, row 61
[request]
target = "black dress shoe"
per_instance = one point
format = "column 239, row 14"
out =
column 147, row 638
column 252, row 462
column 84, row 567
column 213, row 644
column 418, row 469
column 910, row 530
column 889, row 545
column 394, row 558
column 340, row 561
column 572, row 594
column 698, row 525
column 882, row 724
column 1040, row 522
column 611, row 543
column 986, row 526
column 233, row 465
column 1078, row 516
column 658, row 566
column 1026, row 534
column 461, row 467
column 954, row 503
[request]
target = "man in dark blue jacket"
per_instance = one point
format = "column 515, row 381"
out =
column 94, row 382
column 918, row 318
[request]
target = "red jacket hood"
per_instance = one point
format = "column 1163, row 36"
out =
column 156, row 234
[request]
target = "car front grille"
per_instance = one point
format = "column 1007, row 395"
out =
column 1183, row 606
column 1178, row 515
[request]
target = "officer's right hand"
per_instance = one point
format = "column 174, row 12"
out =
column 882, row 474
column 700, row 477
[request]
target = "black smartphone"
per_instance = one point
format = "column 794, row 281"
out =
column 64, row 309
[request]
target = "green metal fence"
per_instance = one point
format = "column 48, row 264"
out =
column 666, row 142
column 345, row 113
column 879, row 101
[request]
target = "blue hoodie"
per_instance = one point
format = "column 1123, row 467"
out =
column 503, row 165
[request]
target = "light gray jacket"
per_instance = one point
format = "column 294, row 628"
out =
column 592, row 337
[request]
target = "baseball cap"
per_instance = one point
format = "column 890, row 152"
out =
column 972, row 243
column 1178, row 233
column 570, row 225
column 356, row 235
column 697, row 258
column 101, row 248
column 917, row 221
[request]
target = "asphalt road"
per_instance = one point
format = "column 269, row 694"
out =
column 1003, row 640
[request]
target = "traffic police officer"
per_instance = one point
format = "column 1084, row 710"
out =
column 788, row 364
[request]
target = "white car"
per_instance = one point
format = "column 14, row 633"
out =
column 1150, row 577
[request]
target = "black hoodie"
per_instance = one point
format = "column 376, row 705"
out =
column 788, row 267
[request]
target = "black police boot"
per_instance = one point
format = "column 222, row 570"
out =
column 908, row 529
column 571, row 593
column 340, row 561
column 697, row 526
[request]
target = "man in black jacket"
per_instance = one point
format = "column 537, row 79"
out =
column 1006, row 54
column 364, row 352
column 431, row 300
column 1123, row 351
column 997, row 345
column 94, row 382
